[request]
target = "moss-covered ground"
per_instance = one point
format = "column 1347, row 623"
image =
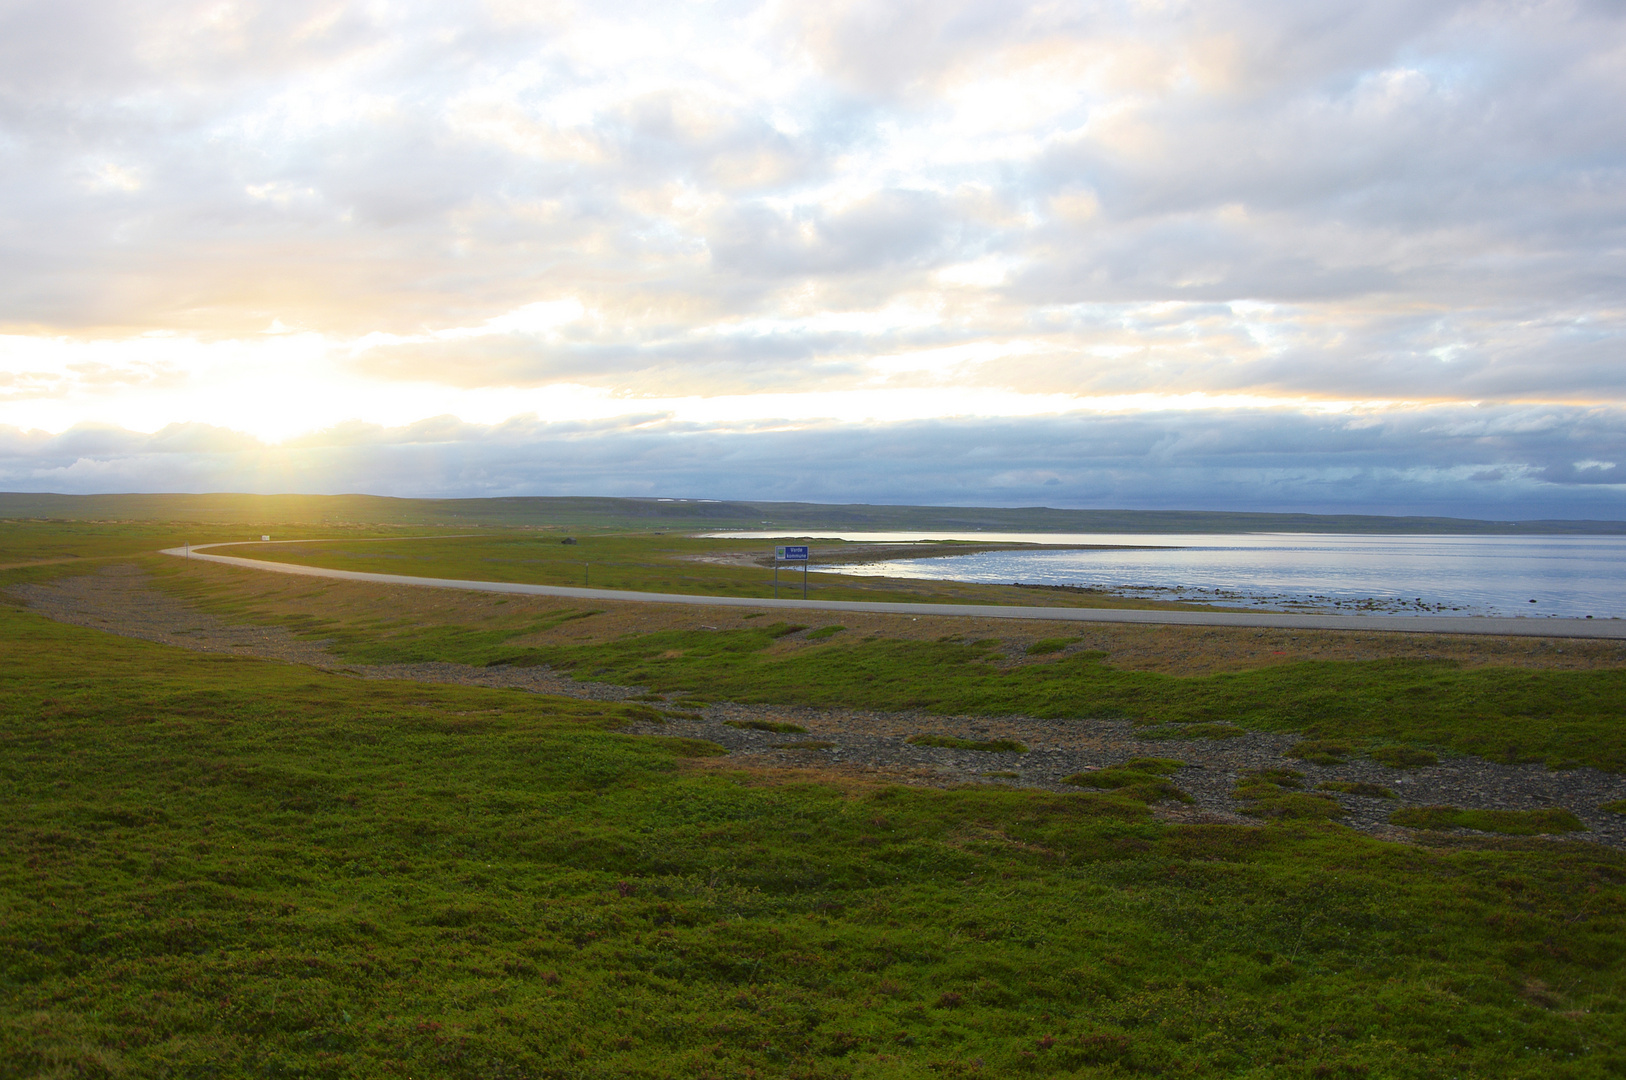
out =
column 223, row 867
column 1400, row 709
column 1505, row 714
column 219, row 866
column 1502, row 713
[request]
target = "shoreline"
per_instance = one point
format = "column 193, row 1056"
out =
column 1425, row 624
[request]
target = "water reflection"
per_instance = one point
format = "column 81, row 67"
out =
column 1465, row 575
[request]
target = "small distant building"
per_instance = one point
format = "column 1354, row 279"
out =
column 265, row 536
column 568, row 540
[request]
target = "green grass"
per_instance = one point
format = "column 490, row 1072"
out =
column 953, row 742
column 1046, row 646
column 217, row 866
column 1416, row 707
column 1411, row 707
column 1143, row 779
column 1159, row 766
column 685, row 747
column 1404, row 708
column 767, row 725
column 1500, row 713
column 1510, row 822
column 1617, row 806
column 1320, row 751
column 1275, row 794
column 92, row 542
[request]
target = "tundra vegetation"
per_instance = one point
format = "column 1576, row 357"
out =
column 225, row 866
column 1400, row 711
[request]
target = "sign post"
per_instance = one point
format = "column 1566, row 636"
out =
column 790, row 553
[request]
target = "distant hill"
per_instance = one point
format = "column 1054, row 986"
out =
column 582, row 512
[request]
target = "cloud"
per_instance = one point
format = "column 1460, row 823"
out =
column 1389, row 203
column 888, row 230
column 1484, row 462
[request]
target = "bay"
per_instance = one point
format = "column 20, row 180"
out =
column 1534, row 576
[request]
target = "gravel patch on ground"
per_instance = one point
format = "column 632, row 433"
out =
column 118, row 599
column 872, row 745
column 1061, row 748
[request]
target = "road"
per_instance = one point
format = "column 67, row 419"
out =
column 1414, row 624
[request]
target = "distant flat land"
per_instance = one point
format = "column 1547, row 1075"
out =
column 655, row 513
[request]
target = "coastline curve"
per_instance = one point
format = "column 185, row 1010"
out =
column 1413, row 624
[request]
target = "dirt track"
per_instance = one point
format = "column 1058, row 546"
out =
column 1605, row 629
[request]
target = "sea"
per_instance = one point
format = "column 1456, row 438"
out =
column 1531, row 576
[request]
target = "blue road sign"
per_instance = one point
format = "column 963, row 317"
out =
column 791, row 553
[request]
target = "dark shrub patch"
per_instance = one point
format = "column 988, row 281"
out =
column 1137, row 778
column 1402, row 757
column 1512, row 822
column 1320, row 751
column 1272, row 793
column 1357, row 787
column 767, row 725
column 950, row 742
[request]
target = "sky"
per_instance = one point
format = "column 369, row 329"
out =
column 1231, row 255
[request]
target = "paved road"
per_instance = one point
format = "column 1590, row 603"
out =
column 1427, row 624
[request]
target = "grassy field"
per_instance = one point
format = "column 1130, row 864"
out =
column 1561, row 718
column 1403, row 694
column 224, row 867
column 25, row 543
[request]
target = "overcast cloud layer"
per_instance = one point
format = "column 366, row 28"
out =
column 1246, row 254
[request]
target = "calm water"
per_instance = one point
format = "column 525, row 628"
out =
column 1464, row 575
